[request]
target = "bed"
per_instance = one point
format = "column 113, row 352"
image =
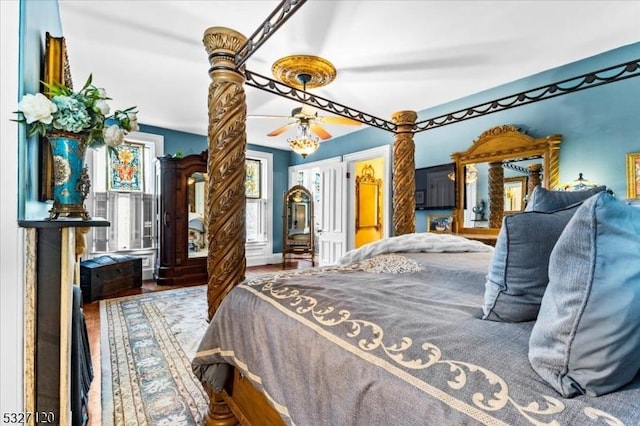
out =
column 394, row 335
column 423, row 328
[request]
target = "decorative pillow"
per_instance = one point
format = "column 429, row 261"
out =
column 587, row 336
column 544, row 200
column 518, row 274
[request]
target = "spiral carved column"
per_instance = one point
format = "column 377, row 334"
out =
column 553, row 166
column 226, row 209
column 404, row 183
column 535, row 177
column 496, row 194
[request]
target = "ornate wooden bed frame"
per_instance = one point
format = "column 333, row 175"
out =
column 226, row 263
column 239, row 401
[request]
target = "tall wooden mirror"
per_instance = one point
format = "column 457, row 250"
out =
column 197, row 241
column 499, row 172
column 298, row 241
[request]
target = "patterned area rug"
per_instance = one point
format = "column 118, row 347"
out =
column 147, row 345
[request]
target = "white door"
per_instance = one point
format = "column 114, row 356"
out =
column 331, row 231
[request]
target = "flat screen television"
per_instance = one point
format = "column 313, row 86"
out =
column 435, row 190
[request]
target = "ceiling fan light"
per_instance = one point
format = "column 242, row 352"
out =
column 471, row 173
column 304, row 145
column 470, row 176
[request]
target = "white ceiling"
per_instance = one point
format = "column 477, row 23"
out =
column 390, row 55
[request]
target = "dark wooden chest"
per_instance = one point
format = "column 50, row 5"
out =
column 107, row 275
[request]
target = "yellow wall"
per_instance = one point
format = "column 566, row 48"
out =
column 367, row 235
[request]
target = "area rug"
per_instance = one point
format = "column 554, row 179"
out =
column 147, row 343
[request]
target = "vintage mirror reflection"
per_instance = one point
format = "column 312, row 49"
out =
column 515, row 191
column 197, row 241
column 298, row 225
column 368, row 195
column 509, row 164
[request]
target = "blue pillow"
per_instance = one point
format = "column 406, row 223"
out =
column 518, row 274
column 587, row 336
column 544, row 200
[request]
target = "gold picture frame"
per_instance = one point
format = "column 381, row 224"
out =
column 368, row 200
column 515, row 189
column 439, row 223
column 56, row 70
column 633, row 175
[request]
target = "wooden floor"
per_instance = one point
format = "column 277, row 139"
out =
column 92, row 317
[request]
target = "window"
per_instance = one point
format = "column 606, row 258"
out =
column 128, row 207
column 258, row 212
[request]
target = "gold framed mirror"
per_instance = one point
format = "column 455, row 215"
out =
column 298, row 241
column 500, row 155
column 368, row 195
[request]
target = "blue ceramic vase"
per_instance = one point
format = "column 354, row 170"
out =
column 71, row 181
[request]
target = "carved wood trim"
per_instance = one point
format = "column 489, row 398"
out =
column 498, row 144
column 404, row 184
column 219, row 412
column 496, row 194
column 226, row 206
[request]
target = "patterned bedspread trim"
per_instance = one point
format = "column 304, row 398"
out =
column 451, row 401
column 262, row 287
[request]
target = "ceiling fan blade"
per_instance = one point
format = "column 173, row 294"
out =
column 281, row 130
column 339, row 120
column 318, row 130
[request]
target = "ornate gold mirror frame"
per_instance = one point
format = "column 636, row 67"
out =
column 368, row 196
column 56, row 70
column 496, row 146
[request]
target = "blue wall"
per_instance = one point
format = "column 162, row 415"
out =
column 189, row 143
column 36, row 19
column 599, row 125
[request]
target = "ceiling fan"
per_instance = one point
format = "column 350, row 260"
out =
column 305, row 117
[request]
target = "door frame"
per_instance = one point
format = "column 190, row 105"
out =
column 383, row 151
column 320, row 209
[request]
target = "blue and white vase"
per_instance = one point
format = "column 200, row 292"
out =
column 71, row 181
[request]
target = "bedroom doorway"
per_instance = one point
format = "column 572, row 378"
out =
column 369, row 195
column 327, row 182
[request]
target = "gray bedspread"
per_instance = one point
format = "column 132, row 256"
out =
column 392, row 340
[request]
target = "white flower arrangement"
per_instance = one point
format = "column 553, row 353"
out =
column 85, row 112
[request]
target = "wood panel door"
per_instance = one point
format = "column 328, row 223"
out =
column 332, row 232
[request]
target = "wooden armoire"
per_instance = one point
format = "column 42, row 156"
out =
column 182, row 241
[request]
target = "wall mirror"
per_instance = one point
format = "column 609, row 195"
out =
column 197, row 241
column 368, row 195
column 499, row 170
column 298, row 239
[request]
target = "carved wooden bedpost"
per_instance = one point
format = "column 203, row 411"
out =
column 226, row 207
column 496, row 194
column 535, row 177
column 404, row 180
